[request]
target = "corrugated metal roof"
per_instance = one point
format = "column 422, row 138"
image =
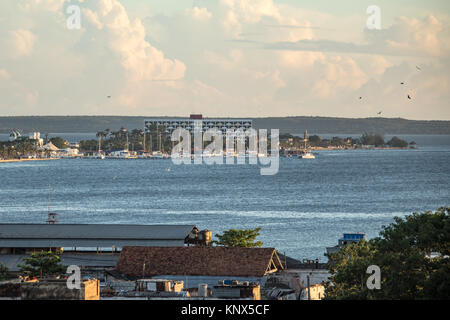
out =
column 94, row 231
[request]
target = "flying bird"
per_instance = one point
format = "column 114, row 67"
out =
column 360, row 97
column 402, row 83
column 417, row 67
column 409, row 97
column 379, row 112
column 108, row 97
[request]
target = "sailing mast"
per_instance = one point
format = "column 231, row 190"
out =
column 305, row 139
column 144, row 138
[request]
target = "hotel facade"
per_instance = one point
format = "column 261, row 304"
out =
column 222, row 124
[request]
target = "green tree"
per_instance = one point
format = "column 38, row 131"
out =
column 405, row 256
column 315, row 140
column 4, row 272
column 397, row 143
column 372, row 139
column 88, row 145
column 42, row 263
column 59, row 142
column 348, row 271
column 337, row 142
column 239, row 238
column 412, row 253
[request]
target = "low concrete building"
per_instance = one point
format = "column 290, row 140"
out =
column 314, row 292
column 297, row 280
column 159, row 285
column 149, row 288
column 237, row 290
column 50, row 289
column 58, row 290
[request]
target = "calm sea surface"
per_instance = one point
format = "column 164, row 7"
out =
column 301, row 210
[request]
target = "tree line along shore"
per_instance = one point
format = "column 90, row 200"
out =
column 289, row 142
column 26, row 148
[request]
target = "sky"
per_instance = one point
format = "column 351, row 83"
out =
column 225, row 58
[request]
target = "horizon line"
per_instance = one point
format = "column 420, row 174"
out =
column 225, row 117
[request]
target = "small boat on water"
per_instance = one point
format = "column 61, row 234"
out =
column 95, row 155
column 158, row 155
column 306, row 153
column 99, row 156
column 122, row 154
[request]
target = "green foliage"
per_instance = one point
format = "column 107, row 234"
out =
column 59, row 142
column 403, row 253
column 116, row 140
column 397, row 143
column 42, row 264
column 372, row 139
column 239, row 238
column 336, row 142
column 18, row 148
column 4, row 272
column 315, row 140
column 348, row 272
column 88, row 145
column 289, row 141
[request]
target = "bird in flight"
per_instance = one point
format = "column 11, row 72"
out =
column 360, row 97
column 409, row 97
column 379, row 112
column 108, row 97
column 402, row 83
column 417, row 67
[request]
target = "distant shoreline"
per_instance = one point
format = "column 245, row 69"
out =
column 323, row 125
column 374, row 148
column 22, row 160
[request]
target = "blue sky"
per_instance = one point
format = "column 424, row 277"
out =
column 225, row 58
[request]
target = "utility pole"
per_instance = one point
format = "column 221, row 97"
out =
column 143, row 270
column 309, row 287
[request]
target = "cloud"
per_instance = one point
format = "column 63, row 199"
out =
column 108, row 21
column 219, row 58
column 198, row 13
column 17, row 43
column 411, row 36
column 407, row 37
column 72, row 71
column 22, row 42
column 4, row 75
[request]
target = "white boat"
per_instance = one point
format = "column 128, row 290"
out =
column 157, row 155
column 122, row 154
column 99, row 156
column 144, row 155
column 95, row 155
column 306, row 155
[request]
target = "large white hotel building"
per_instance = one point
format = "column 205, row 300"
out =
column 222, row 124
